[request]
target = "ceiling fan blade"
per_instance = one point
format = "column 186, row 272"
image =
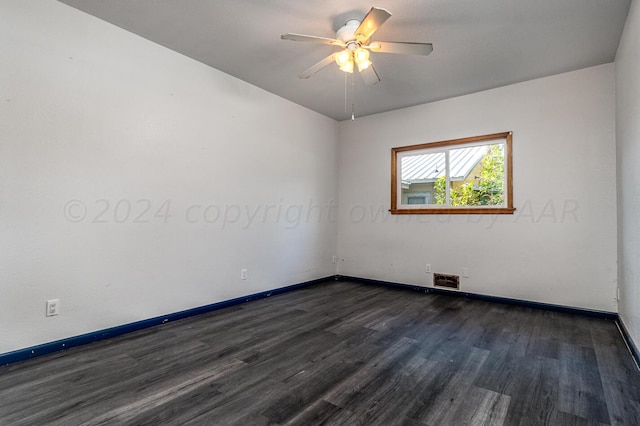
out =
column 401, row 47
column 376, row 17
column 370, row 76
column 317, row 67
column 314, row 39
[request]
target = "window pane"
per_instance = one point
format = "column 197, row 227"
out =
column 477, row 175
column 419, row 176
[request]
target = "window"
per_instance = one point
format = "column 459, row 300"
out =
column 470, row 176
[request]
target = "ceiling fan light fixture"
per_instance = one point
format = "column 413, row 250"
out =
column 343, row 57
column 348, row 67
column 362, row 59
column 363, row 65
column 344, row 60
column 361, row 54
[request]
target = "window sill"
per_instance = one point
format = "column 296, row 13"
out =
column 456, row 210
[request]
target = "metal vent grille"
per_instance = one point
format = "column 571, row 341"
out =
column 446, row 280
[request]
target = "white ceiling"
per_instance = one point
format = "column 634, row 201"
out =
column 478, row 45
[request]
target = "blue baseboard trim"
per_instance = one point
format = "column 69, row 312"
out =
column 635, row 353
column 494, row 299
column 70, row 342
column 62, row 344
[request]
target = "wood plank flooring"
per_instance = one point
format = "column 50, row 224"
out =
column 339, row 353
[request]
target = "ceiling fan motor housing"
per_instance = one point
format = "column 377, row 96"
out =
column 347, row 33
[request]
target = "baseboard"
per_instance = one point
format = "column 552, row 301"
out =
column 58, row 345
column 635, row 353
column 495, row 299
column 70, row 342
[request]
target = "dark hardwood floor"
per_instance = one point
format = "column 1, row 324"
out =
column 339, row 353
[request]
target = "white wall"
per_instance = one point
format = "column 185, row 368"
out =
column 559, row 247
column 90, row 112
column 628, row 150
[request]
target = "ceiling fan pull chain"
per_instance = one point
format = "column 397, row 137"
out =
column 346, row 76
column 353, row 97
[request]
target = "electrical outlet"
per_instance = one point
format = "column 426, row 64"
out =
column 334, row 259
column 465, row 272
column 243, row 274
column 427, row 269
column 53, row 307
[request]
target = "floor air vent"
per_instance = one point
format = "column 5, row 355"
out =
column 446, row 280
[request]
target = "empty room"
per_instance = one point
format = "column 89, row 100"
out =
column 278, row 212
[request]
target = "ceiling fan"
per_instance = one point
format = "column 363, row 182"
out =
column 355, row 39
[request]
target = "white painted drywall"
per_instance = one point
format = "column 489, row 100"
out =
column 90, row 112
column 559, row 247
column 628, row 151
